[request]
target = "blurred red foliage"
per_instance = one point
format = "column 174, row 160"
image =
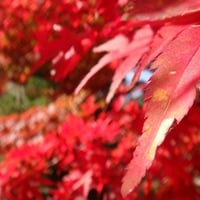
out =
column 71, row 156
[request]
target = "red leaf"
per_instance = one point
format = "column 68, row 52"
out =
column 138, row 46
column 169, row 96
column 165, row 9
column 63, row 54
column 163, row 37
column 120, row 48
column 115, row 48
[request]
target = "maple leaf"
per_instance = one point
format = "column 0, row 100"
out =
column 114, row 52
column 162, row 38
column 169, row 96
column 138, row 47
column 120, row 48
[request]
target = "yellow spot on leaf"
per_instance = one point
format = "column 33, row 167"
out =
column 160, row 95
column 146, row 128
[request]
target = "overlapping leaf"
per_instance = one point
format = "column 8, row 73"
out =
column 163, row 37
column 169, row 96
column 121, row 48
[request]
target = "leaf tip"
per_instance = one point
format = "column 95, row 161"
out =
column 126, row 187
column 77, row 90
column 109, row 97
